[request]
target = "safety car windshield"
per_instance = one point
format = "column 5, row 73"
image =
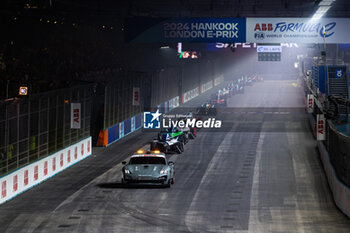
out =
column 147, row 160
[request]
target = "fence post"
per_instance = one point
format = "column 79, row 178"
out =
column 28, row 135
column 18, row 116
column 6, row 136
column 105, row 107
column 39, row 130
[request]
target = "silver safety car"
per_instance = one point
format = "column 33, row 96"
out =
column 148, row 168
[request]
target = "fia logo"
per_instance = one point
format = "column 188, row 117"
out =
column 151, row 120
column 259, row 35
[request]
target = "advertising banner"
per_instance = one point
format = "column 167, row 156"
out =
column 297, row 30
column 321, row 127
column 148, row 30
column 135, row 96
column 237, row 30
column 187, row 96
column 174, row 103
column 75, row 116
column 206, row 86
column 310, row 103
column 34, row 173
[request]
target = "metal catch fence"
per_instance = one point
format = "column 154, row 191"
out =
column 32, row 128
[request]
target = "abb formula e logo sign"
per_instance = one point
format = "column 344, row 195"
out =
column 75, row 115
column 263, row 27
column 310, row 103
column 294, row 30
column 297, row 30
column 135, row 96
column 297, row 27
column 321, row 127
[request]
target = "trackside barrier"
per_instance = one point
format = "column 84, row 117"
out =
column 206, row 87
column 26, row 177
column 169, row 105
column 174, row 103
column 218, row 80
column 130, row 125
column 187, row 96
column 120, row 130
column 114, row 133
column 341, row 193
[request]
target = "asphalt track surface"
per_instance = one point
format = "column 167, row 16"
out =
column 260, row 173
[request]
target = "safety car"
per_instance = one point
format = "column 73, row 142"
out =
column 149, row 167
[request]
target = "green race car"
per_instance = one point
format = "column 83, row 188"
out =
column 148, row 168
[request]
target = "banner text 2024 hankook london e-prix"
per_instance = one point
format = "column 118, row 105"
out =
column 230, row 30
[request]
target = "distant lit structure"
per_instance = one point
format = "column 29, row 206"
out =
column 23, row 90
column 189, row 54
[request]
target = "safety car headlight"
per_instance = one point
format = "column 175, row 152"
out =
column 127, row 171
column 164, row 172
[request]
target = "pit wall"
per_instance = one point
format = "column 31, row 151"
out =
column 340, row 192
column 31, row 175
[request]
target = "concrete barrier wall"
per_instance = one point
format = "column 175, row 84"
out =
column 218, row 80
column 187, row 96
column 174, row 103
column 206, row 87
column 341, row 193
column 26, row 177
column 130, row 125
column 120, row 130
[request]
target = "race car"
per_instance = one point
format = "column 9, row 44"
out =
column 173, row 132
column 231, row 89
column 225, row 92
column 240, row 87
column 248, row 81
column 185, row 133
column 191, row 131
column 221, row 102
column 168, row 142
column 219, row 99
column 206, row 110
column 149, row 167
